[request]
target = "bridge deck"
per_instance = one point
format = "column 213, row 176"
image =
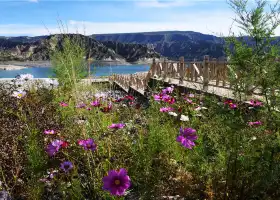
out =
column 211, row 88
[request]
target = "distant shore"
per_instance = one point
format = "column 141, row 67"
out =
column 17, row 65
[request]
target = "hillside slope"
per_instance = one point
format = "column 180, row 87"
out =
column 172, row 44
column 39, row 48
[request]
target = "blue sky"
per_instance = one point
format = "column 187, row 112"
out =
column 38, row 17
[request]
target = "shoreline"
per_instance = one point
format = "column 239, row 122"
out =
column 18, row 65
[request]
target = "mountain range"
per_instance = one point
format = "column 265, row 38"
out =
column 126, row 47
column 172, row 44
column 39, row 48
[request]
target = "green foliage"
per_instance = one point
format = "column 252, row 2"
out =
column 254, row 52
column 68, row 60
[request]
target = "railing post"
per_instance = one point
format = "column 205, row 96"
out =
column 130, row 80
column 182, row 71
column 205, row 72
column 194, row 73
column 224, row 75
column 153, row 67
column 164, row 69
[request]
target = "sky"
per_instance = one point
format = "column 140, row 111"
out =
column 43, row 17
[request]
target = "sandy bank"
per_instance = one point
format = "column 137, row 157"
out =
column 11, row 67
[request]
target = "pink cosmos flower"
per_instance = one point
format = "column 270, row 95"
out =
column 49, row 132
column 63, row 104
column 95, row 103
column 257, row 123
column 157, row 97
column 107, row 108
column 117, row 126
column 230, row 103
column 233, row 106
column 188, row 100
column 171, row 100
column 129, row 97
column 255, row 103
column 88, row 144
column 166, row 109
column 165, row 97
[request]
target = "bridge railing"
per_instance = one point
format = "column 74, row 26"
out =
column 138, row 81
column 208, row 72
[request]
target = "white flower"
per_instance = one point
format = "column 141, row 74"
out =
column 254, row 138
column 200, row 108
column 101, row 95
column 80, row 121
column 19, row 94
column 191, row 95
column 26, row 77
column 19, row 82
column 184, row 118
column 53, row 82
column 173, row 114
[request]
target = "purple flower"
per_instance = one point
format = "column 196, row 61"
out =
column 162, row 96
column 81, row 105
column 191, row 95
column 54, row 147
column 168, row 90
column 95, row 103
column 255, row 123
column 187, row 137
column 117, row 182
column 66, row 166
column 166, row 109
column 49, row 132
column 117, row 126
column 88, row 144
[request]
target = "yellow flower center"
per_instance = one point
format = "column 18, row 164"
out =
column 19, row 95
column 117, row 182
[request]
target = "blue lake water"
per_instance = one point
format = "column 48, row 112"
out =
column 46, row 72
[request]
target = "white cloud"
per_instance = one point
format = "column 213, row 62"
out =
column 163, row 4
column 214, row 23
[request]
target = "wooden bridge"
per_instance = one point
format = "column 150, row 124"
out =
column 210, row 76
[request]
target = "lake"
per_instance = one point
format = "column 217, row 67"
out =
column 46, row 72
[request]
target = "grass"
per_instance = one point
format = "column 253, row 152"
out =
column 230, row 160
